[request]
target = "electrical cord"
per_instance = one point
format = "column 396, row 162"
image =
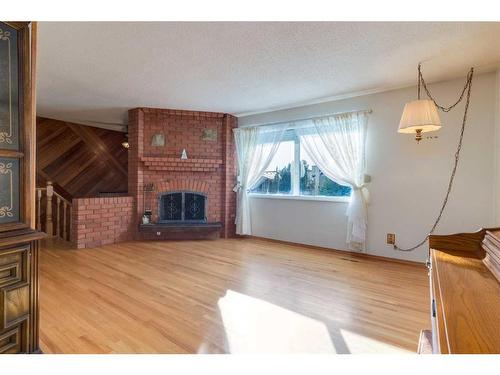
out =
column 467, row 87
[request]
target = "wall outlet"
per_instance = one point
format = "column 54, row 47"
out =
column 391, row 238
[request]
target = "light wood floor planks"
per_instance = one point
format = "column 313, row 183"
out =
column 239, row 295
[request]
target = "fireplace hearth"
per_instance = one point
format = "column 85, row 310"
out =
column 182, row 215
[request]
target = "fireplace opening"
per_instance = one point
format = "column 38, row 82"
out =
column 182, row 206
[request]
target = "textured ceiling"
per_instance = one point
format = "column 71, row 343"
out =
column 96, row 71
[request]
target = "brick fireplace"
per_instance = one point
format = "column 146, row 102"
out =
column 175, row 189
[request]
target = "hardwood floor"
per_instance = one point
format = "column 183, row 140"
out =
column 238, row 295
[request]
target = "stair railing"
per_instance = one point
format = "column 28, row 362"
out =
column 46, row 206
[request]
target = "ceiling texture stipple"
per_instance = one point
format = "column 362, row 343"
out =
column 93, row 72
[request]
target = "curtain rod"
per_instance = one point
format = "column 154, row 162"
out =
column 308, row 118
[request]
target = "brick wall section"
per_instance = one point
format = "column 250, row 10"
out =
column 101, row 221
column 229, row 176
column 216, row 168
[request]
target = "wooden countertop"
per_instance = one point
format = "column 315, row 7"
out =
column 468, row 303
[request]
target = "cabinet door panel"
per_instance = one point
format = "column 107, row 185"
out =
column 18, row 247
column 9, row 88
column 9, row 190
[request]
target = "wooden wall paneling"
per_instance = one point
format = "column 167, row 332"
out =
column 81, row 161
column 90, row 180
column 57, row 148
column 66, row 177
column 96, row 142
column 70, row 164
column 47, row 132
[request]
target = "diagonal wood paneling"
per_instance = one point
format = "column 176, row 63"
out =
column 81, row 161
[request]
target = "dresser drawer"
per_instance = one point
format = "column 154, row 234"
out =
column 14, row 265
column 14, row 340
column 14, row 288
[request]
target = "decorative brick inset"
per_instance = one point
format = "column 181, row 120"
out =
column 100, row 221
column 181, row 184
column 182, row 165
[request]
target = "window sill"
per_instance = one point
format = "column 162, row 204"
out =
column 301, row 197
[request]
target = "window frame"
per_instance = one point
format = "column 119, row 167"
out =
column 291, row 135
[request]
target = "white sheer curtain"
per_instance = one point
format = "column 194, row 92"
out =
column 337, row 145
column 255, row 148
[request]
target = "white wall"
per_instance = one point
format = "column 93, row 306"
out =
column 409, row 180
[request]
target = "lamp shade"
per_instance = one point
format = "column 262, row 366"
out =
column 419, row 116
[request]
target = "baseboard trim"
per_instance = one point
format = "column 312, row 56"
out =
column 342, row 252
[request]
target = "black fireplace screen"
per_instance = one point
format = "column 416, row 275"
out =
column 182, row 206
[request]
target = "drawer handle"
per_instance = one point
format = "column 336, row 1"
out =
column 433, row 306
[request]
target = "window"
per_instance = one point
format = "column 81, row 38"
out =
column 314, row 182
column 292, row 172
column 278, row 177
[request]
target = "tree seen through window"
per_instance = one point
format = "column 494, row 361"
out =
column 293, row 172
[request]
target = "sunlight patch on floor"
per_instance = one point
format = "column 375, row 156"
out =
column 256, row 326
column 357, row 343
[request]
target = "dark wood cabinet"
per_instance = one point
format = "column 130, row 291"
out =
column 18, row 240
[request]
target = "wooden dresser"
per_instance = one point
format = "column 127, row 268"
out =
column 18, row 239
column 465, row 296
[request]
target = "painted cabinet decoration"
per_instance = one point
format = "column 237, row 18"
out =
column 10, row 88
column 9, row 190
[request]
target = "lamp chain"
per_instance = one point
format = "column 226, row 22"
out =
column 467, row 87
